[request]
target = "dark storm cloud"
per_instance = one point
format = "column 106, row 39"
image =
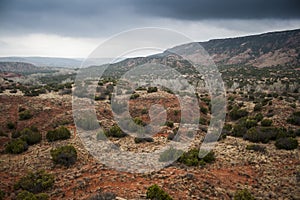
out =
column 220, row 9
column 91, row 17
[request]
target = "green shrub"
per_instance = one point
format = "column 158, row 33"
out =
column 256, row 147
column 154, row 192
column 152, row 89
column 25, row 195
column 144, row 111
column 142, row 140
column 61, row 133
column 238, row 130
column 16, row 146
column 257, row 107
column 204, row 110
column 243, row 195
column 202, row 121
column 297, row 132
column 261, row 134
column 16, row 134
column 115, row 131
column 248, row 123
column 258, row 117
column 266, row 122
column 191, row 158
column 294, row 118
column 10, row 125
column 287, row 143
column 35, row 182
column 169, row 124
column 30, row 136
column 139, row 121
column 134, row 96
column 170, row 154
column 2, row 195
column 24, row 115
column 237, row 113
column 65, row 155
column 42, row 196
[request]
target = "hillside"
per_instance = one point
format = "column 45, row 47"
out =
column 22, row 68
column 268, row 49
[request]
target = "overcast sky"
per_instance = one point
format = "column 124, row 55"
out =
column 73, row 28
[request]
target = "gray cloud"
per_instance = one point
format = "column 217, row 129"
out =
column 91, row 17
column 216, row 9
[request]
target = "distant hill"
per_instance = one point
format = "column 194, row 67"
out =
column 55, row 62
column 22, row 68
column 45, row 61
column 264, row 50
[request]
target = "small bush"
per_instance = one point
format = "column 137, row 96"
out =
column 169, row 124
column 249, row 123
column 261, row 134
column 152, row 89
column 204, row 110
column 25, row 195
column 237, row 113
column 16, row 146
column 257, row 107
column 134, row 96
column 65, row 155
column 35, row 182
column 10, row 125
column 257, row 148
column 24, row 115
column 297, row 132
column 139, row 121
column 191, row 158
column 294, row 118
column 154, row 192
column 42, row 196
column 115, row 131
column 239, row 130
column 30, row 136
column 286, row 143
column 202, row 121
column 16, row 134
column 170, row 154
column 142, row 140
column 2, row 195
column 258, row 117
column 243, row 195
column 266, row 122
column 61, row 133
